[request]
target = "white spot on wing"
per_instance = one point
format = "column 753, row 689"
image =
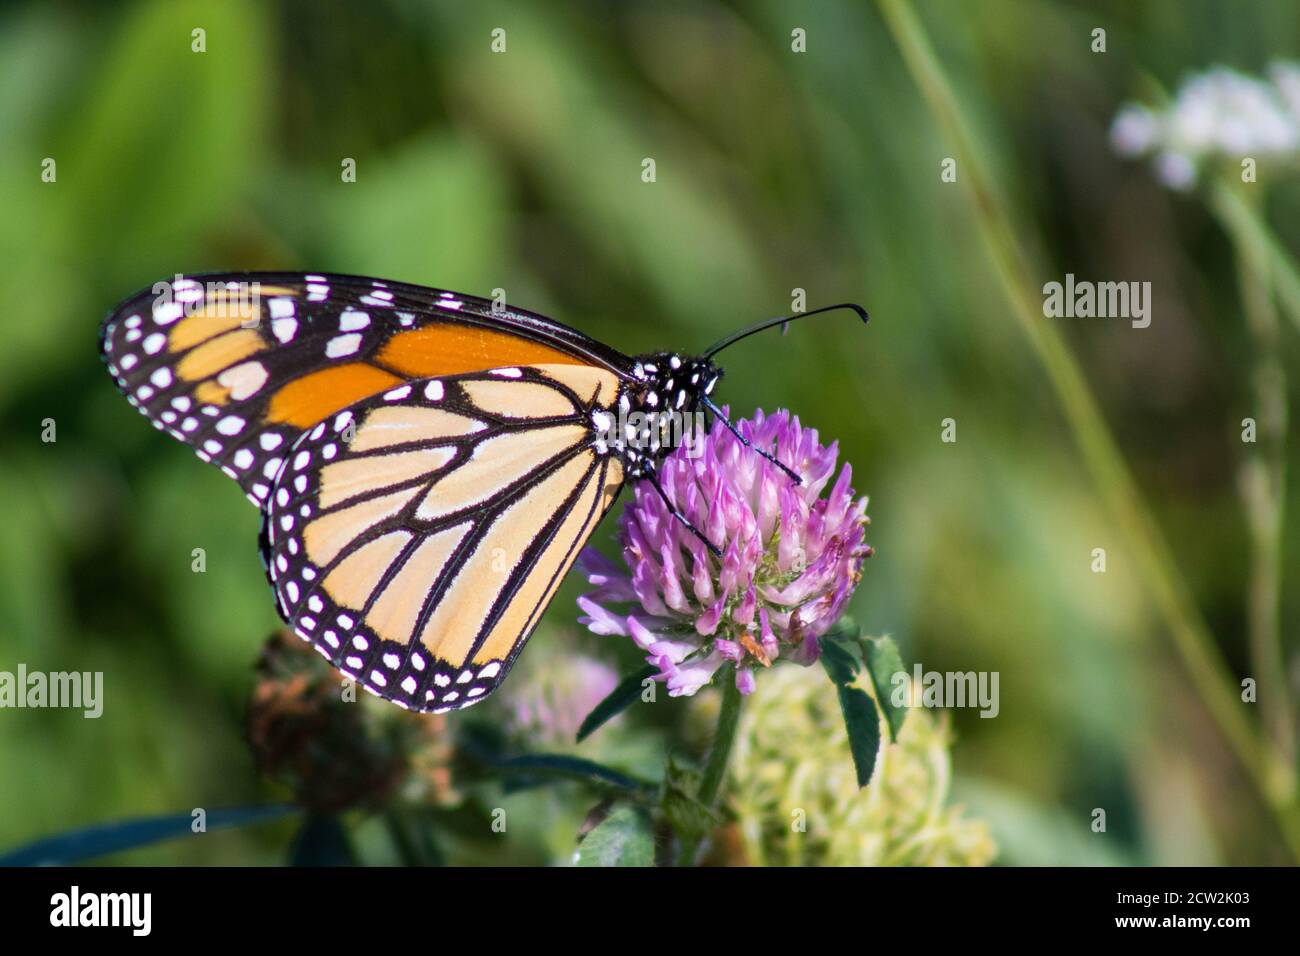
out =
column 352, row 319
column 243, row 380
column 342, row 345
column 168, row 312
column 284, row 330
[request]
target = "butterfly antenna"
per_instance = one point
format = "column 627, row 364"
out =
column 783, row 321
column 717, row 413
column 654, row 483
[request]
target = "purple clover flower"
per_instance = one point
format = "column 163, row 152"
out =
column 790, row 557
column 549, row 709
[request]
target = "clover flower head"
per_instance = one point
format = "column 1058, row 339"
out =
column 791, row 555
column 548, row 709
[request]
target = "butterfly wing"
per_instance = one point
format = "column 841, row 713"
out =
column 419, row 555
column 238, row 365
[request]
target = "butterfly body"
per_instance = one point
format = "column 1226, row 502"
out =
column 668, row 390
column 428, row 464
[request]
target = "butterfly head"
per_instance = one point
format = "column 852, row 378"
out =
column 657, row 412
column 675, row 383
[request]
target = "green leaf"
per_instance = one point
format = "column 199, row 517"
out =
column 97, row 841
column 845, row 627
column 690, row 818
column 840, row 657
column 883, row 662
column 862, row 721
column 572, row 768
column 624, row 838
column 619, row 699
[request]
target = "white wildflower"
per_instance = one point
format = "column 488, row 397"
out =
column 1216, row 115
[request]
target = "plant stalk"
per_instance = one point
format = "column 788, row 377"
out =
column 1262, row 478
column 1245, row 223
column 715, row 770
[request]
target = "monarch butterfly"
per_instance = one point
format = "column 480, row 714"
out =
column 428, row 464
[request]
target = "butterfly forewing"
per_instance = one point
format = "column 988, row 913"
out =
column 238, row 366
column 416, row 536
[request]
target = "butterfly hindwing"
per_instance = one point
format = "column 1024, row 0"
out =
column 238, row 366
column 416, row 536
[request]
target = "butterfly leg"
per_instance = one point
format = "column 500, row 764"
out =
column 653, row 478
column 717, row 412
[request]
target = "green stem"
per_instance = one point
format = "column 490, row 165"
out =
column 715, row 770
column 1263, row 473
column 1192, row 641
column 723, row 738
column 1244, row 222
column 401, row 839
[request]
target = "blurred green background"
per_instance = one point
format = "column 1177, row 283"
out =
column 775, row 171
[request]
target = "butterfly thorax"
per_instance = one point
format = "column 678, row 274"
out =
column 657, row 412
